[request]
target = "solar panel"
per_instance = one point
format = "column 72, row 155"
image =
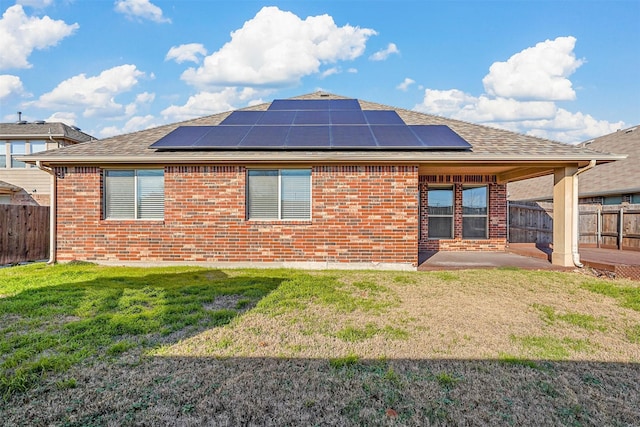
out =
column 347, row 117
column 344, row 104
column 277, row 118
column 439, row 136
column 243, row 118
column 182, row 137
column 352, row 137
column 265, row 137
column 395, row 136
column 222, row 137
column 309, row 137
column 314, row 104
column 299, row 104
column 379, row 117
column 313, row 124
column 312, row 118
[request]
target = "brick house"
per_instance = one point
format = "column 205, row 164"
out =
column 196, row 192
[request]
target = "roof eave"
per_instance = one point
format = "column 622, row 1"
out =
column 307, row 157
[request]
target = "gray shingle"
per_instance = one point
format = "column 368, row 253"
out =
column 486, row 142
column 55, row 129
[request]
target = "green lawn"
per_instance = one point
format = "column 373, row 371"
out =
column 82, row 344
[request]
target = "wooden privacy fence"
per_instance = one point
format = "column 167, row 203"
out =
column 24, row 233
column 608, row 226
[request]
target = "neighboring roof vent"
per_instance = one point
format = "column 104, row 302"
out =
column 630, row 130
column 75, row 128
column 20, row 121
column 39, row 122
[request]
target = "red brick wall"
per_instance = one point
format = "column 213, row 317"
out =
column 497, row 214
column 359, row 214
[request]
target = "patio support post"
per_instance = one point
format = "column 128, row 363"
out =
column 563, row 216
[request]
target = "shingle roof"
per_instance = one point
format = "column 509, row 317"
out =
column 487, row 144
column 5, row 187
column 621, row 177
column 55, row 129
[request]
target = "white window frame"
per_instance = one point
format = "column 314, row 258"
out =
column 4, row 152
column 279, row 195
column 12, row 155
column 485, row 216
column 136, row 195
column 452, row 189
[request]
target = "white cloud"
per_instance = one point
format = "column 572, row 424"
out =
column 63, row 117
column 140, row 9
column 521, row 96
column 383, row 54
column 38, row 4
column 572, row 127
column 352, row 70
column 96, row 94
column 444, row 102
column 405, row 84
column 539, row 72
column 278, row 48
column 134, row 124
column 145, row 98
column 186, row 52
column 462, row 106
column 10, row 85
column 330, row 71
column 20, row 35
column 207, row 103
column 141, row 99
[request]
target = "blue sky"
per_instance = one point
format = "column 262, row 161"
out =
column 565, row 70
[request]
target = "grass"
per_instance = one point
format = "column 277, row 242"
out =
column 89, row 345
column 56, row 317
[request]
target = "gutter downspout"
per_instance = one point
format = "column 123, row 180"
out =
column 52, row 213
column 576, row 215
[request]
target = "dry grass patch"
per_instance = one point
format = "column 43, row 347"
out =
column 464, row 315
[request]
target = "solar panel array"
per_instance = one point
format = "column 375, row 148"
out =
column 319, row 124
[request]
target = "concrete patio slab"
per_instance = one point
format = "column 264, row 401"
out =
column 467, row 260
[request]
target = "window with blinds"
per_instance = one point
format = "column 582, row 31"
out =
column 279, row 194
column 134, row 194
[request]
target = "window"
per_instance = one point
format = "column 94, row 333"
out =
column 635, row 198
column 474, row 213
column 440, row 211
column 134, row 194
column 612, row 200
column 38, row 146
column 5, row 199
column 3, row 154
column 17, row 149
column 279, row 194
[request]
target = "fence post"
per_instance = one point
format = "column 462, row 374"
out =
column 620, row 228
column 599, row 226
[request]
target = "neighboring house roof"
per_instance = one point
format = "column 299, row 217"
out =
column 6, row 188
column 621, row 177
column 43, row 130
column 490, row 148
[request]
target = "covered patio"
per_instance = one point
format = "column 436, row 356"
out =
column 608, row 262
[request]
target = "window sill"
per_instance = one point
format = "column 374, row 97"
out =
column 279, row 221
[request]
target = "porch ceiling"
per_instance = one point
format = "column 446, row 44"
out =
column 504, row 172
